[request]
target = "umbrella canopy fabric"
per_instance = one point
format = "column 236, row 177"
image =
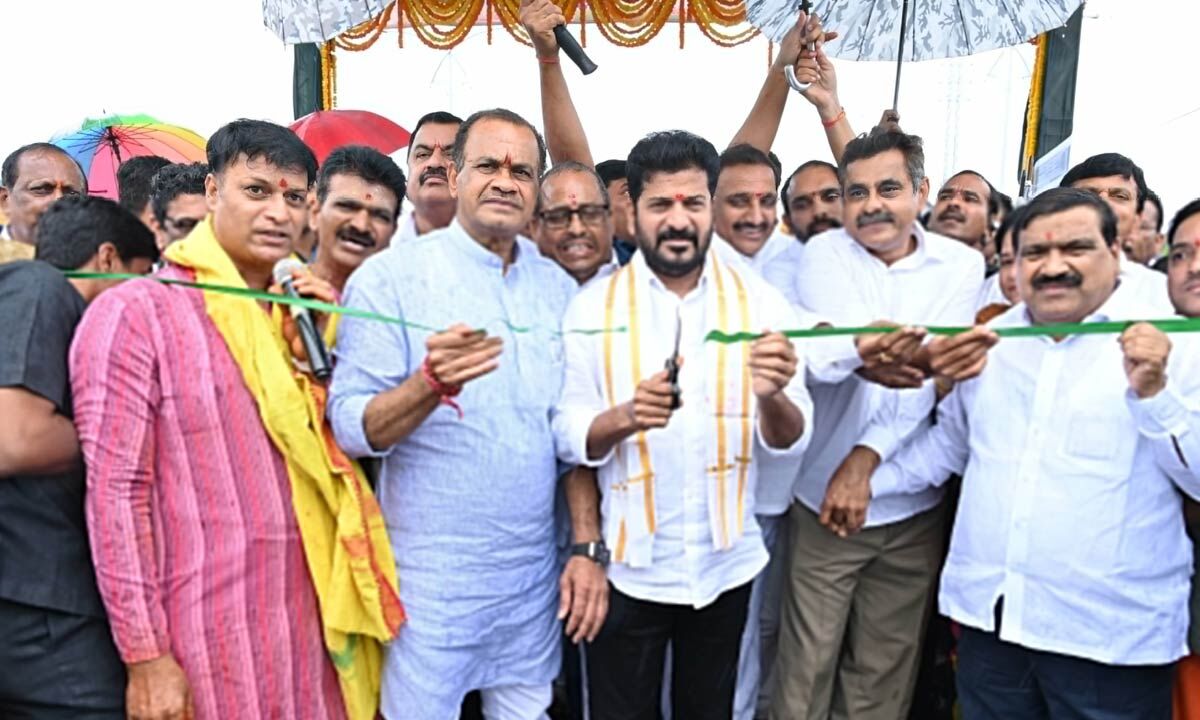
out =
column 908, row 30
column 326, row 130
column 101, row 145
column 934, row 29
column 316, row 21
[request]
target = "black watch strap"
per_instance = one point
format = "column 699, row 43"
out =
column 595, row 551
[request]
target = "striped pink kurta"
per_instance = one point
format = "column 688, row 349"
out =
column 189, row 508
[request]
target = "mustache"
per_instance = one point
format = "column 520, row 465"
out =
column 433, row 171
column 356, row 236
column 952, row 213
column 881, row 216
column 745, row 225
column 1066, row 279
column 677, row 234
column 821, row 223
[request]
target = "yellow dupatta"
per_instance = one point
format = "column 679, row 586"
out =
column 345, row 541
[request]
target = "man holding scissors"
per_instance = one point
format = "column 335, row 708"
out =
column 675, row 447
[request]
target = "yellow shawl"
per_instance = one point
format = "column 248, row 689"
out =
column 345, row 542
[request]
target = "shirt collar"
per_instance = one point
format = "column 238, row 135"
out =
column 476, row 252
column 924, row 252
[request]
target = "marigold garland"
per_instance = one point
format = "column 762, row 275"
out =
column 443, row 24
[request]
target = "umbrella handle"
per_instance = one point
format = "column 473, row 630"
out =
column 790, row 73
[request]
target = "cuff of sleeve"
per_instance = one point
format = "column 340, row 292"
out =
column 150, row 646
column 834, row 359
column 571, row 438
column 880, row 439
column 797, row 447
column 349, row 430
column 1163, row 415
column 885, row 481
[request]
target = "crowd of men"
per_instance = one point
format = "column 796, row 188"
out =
column 578, row 466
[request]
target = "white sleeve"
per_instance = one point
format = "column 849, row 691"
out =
column 933, row 455
column 582, row 398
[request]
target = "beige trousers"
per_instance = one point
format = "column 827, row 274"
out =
column 853, row 618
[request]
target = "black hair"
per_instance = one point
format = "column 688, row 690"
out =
column 72, row 229
column 134, row 180
column 747, row 154
column 364, row 162
column 260, row 139
column 787, row 184
column 1107, row 165
column 881, row 140
column 1008, row 223
column 576, row 167
column 1153, row 198
column 671, row 151
column 437, row 117
column 993, row 200
column 1057, row 200
column 12, row 163
column 172, row 181
column 1185, row 212
column 611, row 171
column 464, row 131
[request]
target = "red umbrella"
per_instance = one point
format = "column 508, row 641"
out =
column 326, row 130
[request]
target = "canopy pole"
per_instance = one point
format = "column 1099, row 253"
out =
column 900, row 55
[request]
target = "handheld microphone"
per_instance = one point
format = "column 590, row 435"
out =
column 318, row 356
column 569, row 45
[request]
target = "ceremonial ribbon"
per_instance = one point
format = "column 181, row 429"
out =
column 1169, row 325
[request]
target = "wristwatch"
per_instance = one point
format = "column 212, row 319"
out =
column 594, row 551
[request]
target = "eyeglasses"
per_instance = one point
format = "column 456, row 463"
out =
column 560, row 218
column 182, row 226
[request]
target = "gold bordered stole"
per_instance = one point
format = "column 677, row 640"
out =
column 728, row 403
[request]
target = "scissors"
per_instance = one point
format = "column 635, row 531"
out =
column 672, row 366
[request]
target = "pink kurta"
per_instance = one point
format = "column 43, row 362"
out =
column 189, row 508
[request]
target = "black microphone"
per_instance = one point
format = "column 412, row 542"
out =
column 569, row 45
column 318, row 356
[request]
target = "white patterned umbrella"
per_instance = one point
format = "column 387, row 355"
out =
column 316, row 21
column 907, row 30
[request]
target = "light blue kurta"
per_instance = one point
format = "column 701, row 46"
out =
column 469, row 503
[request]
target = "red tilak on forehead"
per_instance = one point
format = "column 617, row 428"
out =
column 283, row 183
column 368, row 196
column 679, row 197
column 507, row 161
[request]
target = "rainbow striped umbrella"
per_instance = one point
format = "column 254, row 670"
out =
column 101, row 145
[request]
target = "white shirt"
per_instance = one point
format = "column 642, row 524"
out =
column 407, row 229
column 840, row 281
column 1069, row 509
column 1150, row 287
column 991, row 293
column 685, row 568
column 783, row 269
column 758, row 262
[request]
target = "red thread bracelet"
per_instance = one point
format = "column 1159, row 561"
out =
column 836, row 120
column 446, row 393
column 551, row 60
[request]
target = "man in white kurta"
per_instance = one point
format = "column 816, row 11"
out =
column 678, row 486
column 1068, row 567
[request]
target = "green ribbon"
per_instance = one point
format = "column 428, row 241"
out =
column 311, row 304
column 1171, row 325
